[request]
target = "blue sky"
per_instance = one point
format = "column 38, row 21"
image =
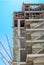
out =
column 7, row 7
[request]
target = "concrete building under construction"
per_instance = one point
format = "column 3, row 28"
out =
column 29, row 35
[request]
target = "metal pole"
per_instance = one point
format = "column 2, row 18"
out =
column 9, row 44
column 3, row 61
column 5, row 50
column 4, row 57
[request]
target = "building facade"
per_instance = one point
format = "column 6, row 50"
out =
column 29, row 35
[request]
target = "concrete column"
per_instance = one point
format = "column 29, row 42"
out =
column 18, row 41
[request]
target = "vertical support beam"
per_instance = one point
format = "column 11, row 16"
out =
column 18, row 51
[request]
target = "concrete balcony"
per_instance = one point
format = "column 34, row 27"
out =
column 42, row 11
column 35, row 59
column 34, row 19
column 34, row 56
column 39, row 29
column 34, row 41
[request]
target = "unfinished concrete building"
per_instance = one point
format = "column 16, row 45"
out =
column 29, row 35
